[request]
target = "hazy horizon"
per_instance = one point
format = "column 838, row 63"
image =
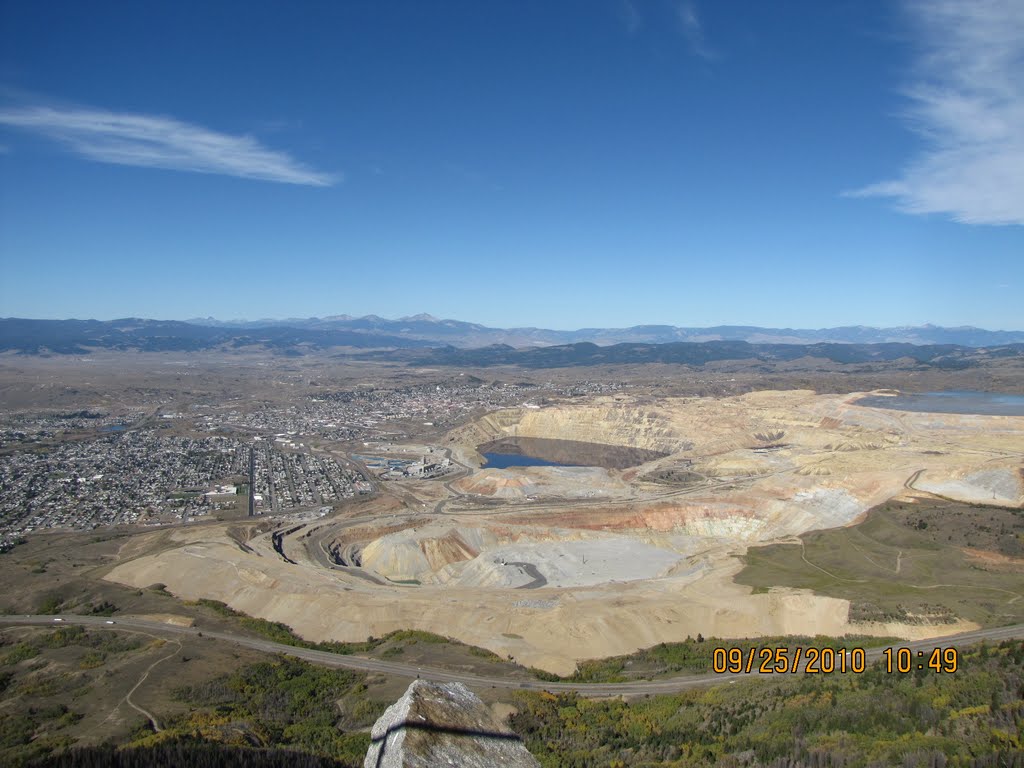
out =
column 428, row 317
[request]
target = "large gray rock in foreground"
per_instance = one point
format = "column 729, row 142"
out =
column 443, row 724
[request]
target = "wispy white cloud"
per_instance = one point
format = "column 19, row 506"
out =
column 967, row 103
column 693, row 30
column 630, row 16
column 161, row 142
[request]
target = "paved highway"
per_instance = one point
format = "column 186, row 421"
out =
column 633, row 688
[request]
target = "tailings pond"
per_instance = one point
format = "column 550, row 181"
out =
column 542, row 452
column 971, row 403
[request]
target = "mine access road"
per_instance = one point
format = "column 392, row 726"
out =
column 632, row 688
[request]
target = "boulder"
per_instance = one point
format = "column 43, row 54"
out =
column 443, row 724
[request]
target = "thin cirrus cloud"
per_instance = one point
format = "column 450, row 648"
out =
column 630, row 16
column 967, row 102
column 693, row 31
column 161, row 142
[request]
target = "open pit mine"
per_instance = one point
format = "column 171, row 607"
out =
column 553, row 564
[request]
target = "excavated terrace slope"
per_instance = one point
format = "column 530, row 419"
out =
column 606, row 421
column 551, row 581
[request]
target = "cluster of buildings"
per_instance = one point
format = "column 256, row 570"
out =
column 362, row 413
column 22, row 430
column 285, row 480
column 145, row 476
column 84, row 469
column 123, row 477
column 427, row 467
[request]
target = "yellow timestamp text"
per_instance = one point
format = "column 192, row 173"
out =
column 788, row 660
column 904, row 660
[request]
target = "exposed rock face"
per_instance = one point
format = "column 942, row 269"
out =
column 602, row 421
column 514, row 557
column 438, row 724
column 563, row 482
column 1000, row 486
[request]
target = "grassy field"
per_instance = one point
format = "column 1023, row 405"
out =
column 924, row 561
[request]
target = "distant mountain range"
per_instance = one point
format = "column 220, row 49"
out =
column 470, row 335
column 423, row 340
column 71, row 337
column 698, row 354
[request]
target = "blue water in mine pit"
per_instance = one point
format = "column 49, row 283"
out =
column 959, row 402
column 508, row 452
column 506, row 460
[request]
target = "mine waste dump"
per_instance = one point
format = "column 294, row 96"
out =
column 544, row 452
column 968, row 403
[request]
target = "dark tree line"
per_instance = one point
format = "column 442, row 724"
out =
column 184, row 753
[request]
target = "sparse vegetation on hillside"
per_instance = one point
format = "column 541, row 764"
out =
column 282, row 633
column 971, row 718
column 284, row 711
column 282, row 703
column 42, row 701
column 695, row 655
column 51, row 680
column 907, row 562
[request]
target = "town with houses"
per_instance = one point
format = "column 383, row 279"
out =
column 180, row 463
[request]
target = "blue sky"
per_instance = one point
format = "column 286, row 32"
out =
column 559, row 163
